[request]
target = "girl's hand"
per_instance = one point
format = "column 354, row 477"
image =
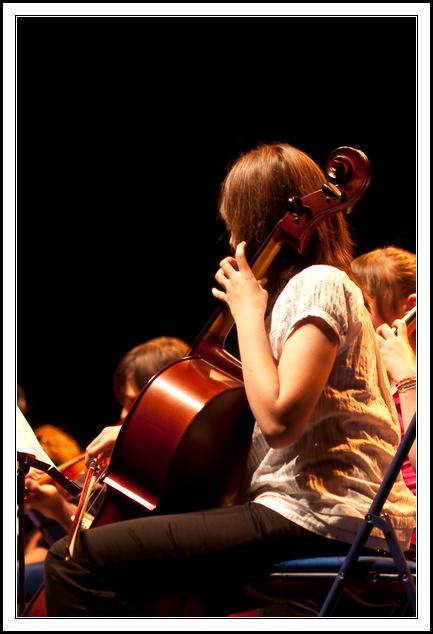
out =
column 397, row 353
column 102, row 446
column 243, row 293
column 44, row 498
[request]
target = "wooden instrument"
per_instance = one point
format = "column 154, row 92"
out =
column 73, row 469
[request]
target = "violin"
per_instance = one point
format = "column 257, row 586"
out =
column 184, row 443
column 77, row 468
column 74, row 469
column 410, row 320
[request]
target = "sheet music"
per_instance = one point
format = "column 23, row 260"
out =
column 27, row 441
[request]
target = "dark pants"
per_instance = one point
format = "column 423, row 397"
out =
column 130, row 568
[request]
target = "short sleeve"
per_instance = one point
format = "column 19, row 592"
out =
column 318, row 291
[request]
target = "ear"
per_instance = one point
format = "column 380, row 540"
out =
column 411, row 301
column 406, row 303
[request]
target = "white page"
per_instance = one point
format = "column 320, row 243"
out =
column 27, row 441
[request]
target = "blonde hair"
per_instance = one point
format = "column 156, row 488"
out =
column 388, row 275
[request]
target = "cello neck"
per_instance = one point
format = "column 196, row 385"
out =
column 210, row 343
column 223, row 322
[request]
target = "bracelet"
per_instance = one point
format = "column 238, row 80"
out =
column 406, row 384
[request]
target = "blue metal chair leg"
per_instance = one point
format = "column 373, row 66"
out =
column 372, row 519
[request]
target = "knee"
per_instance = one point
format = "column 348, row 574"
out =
column 57, row 550
column 54, row 559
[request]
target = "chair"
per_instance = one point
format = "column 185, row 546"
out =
column 353, row 585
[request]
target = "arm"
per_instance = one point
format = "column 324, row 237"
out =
column 34, row 551
column 281, row 398
column 46, row 499
column 400, row 363
column 102, row 446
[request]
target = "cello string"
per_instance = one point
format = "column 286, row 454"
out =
column 97, row 493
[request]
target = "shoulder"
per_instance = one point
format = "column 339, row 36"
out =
column 321, row 273
column 321, row 280
column 318, row 291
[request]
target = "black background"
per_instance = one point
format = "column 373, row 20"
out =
column 125, row 128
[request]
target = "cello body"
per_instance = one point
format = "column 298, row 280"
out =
column 191, row 428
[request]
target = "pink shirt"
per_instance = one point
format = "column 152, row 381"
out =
column 409, row 474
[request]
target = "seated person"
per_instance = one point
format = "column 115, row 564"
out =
column 131, row 374
column 389, row 277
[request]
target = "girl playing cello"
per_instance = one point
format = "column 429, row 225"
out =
column 325, row 432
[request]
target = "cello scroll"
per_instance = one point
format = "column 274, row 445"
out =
column 349, row 174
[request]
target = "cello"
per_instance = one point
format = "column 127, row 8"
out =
column 184, row 442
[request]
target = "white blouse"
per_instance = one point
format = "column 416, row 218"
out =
column 326, row 480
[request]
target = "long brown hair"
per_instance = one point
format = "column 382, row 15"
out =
column 254, row 197
column 142, row 362
column 388, row 275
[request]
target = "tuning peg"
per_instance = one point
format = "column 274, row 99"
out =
column 296, row 208
column 331, row 191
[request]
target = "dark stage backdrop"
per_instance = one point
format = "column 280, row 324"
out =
column 125, row 128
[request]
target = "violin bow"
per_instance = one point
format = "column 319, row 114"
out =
column 81, row 520
column 410, row 320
